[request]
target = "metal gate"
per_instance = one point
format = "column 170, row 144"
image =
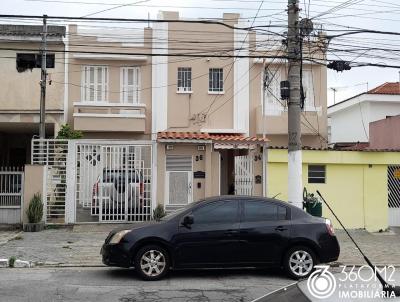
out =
column 53, row 153
column 394, row 195
column 11, row 195
column 113, row 182
column 243, row 175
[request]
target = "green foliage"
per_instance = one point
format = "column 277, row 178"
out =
column 159, row 212
column 11, row 261
column 35, row 209
column 66, row 132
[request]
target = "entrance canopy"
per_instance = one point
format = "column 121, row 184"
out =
column 220, row 141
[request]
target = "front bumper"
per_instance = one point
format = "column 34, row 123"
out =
column 115, row 255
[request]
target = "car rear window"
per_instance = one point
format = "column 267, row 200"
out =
column 263, row 211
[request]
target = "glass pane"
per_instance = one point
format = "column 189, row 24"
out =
column 217, row 212
column 178, row 187
column 260, row 211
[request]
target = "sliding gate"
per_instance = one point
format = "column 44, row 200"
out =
column 113, row 182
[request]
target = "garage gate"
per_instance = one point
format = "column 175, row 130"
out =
column 394, row 195
column 113, row 182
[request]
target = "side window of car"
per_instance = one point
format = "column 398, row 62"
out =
column 263, row 211
column 217, row 212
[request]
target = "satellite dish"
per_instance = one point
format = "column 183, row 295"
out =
column 306, row 26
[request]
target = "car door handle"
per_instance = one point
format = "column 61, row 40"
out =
column 280, row 228
column 231, row 232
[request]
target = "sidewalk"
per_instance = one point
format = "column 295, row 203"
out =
column 80, row 246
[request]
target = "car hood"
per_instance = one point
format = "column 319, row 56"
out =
column 133, row 226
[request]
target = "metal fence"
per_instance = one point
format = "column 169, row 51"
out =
column 11, row 194
column 53, row 153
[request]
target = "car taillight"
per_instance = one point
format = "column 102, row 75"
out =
column 329, row 227
column 141, row 189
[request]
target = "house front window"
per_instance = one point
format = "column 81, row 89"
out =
column 130, row 85
column 216, row 80
column 316, row 174
column 273, row 103
column 184, row 79
column 94, row 83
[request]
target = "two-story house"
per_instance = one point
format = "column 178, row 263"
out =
column 204, row 116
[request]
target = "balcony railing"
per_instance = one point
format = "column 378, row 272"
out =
column 105, row 117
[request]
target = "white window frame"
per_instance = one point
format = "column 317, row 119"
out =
column 125, row 87
column 273, row 92
column 216, row 86
column 308, row 88
column 184, row 80
column 100, row 88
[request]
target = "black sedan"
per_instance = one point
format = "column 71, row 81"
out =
column 225, row 231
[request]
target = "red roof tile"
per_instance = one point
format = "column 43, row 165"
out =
column 210, row 136
column 386, row 88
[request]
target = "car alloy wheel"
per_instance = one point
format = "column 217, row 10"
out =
column 301, row 263
column 152, row 263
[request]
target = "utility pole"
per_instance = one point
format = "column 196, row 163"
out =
column 264, row 153
column 43, row 81
column 295, row 186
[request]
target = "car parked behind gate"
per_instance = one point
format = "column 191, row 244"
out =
column 119, row 187
column 225, row 231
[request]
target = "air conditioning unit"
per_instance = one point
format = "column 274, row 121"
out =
column 169, row 147
column 201, row 148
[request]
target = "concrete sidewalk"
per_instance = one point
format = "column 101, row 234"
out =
column 80, row 246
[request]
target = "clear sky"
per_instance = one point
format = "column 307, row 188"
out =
column 370, row 14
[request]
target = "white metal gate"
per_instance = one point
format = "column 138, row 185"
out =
column 243, row 175
column 394, row 195
column 113, row 182
column 11, row 195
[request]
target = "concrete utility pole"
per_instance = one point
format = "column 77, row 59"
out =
column 43, row 81
column 295, row 186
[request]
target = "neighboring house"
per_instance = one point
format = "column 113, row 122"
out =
column 20, row 93
column 349, row 120
column 361, row 186
column 384, row 134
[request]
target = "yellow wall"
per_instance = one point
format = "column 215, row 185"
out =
column 356, row 184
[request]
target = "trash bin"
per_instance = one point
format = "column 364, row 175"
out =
column 311, row 204
column 314, row 208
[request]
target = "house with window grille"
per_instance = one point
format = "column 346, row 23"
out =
column 162, row 127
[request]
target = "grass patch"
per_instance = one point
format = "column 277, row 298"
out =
column 11, row 261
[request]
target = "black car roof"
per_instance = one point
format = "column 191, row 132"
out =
column 245, row 197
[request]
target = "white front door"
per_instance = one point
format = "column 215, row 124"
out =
column 179, row 179
column 243, row 175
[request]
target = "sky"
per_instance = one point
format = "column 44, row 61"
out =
column 380, row 15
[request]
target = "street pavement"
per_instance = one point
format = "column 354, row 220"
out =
column 112, row 284
column 80, row 246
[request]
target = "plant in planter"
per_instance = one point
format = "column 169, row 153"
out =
column 159, row 212
column 35, row 214
column 312, row 204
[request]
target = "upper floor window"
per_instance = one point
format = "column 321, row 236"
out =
column 316, row 174
column 94, row 83
column 308, row 88
column 130, row 85
column 273, row 102
column 216, row 80
column 32, row 60
column 184, row 79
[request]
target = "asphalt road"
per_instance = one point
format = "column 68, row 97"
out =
column 113, row 284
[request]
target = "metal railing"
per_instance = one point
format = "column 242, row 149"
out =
column 53, row 153
column 11, row 194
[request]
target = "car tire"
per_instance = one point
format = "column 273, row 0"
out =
column 299, row 262
column 152, row 262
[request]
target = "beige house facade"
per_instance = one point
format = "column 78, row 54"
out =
column 181, row 105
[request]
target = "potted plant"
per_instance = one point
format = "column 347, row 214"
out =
column 312, row 204
column 159, row 212
column 35, row 214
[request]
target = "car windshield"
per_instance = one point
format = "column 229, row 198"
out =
column 179, row 211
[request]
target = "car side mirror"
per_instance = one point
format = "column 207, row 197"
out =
column 188, row 220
